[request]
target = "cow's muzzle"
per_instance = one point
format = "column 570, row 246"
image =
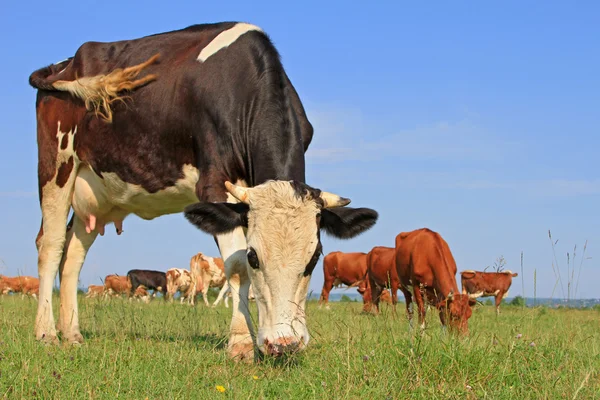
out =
column 283, row 345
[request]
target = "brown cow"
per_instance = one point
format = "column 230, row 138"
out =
column 483, row 284
column 26, row 285
column 348, row 269
column 382, row 273
column 425, row 263
column 117, row 285
column 211, row 272
column 95, row 291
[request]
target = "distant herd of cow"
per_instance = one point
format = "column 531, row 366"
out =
column 205, row 272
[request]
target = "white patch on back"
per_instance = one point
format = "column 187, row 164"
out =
column 225, row 39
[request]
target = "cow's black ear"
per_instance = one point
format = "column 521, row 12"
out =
column 346, row 222
column 217, row 218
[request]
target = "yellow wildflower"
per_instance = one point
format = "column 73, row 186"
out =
column 255, row 377
column 220, row 388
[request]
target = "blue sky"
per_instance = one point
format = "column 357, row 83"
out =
column 479, row 121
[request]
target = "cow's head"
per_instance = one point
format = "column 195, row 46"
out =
column 455, row 311
column 283, row 221
column 172, row 282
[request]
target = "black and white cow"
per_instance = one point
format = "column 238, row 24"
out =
column 154, row 125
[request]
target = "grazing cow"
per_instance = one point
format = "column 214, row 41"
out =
column 211, row 272
column 425, row 264
column 95, row 291
column 382, row 273
column 26, row 285
column 348, row 269
column 180, row 280
column 141, row 293
column 165, row 124
column 151, row 280
column 483, row 284
column 116, row 285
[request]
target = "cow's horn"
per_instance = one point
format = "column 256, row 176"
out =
column 239, row 192
column 333, row 200
column 450, row 296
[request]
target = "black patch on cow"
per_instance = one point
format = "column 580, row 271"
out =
column 217, row 218
column 315, row 258
column 303, row 191
column 346, row 222
column 64, row 171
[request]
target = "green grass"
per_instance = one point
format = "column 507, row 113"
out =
column 170, row 351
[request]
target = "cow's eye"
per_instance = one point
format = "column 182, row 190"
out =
column 252, row 258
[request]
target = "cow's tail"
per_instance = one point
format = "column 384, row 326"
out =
column 98, row 92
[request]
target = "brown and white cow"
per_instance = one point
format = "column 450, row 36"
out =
column 141, row 294
column 382, row 273
column 211, row 272
column 483, row 284
column 26, row 285
column 202, row 119
column 348, row 269
column 95, row 291
column 427, row 268
column 180, row 280
column 116, row 285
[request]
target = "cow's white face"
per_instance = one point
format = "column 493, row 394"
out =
column 283, row 221
column 283, row 239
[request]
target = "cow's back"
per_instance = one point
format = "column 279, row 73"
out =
column 348, row 267
column 381, row 264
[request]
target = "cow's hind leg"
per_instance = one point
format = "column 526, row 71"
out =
column 327, row 286
column 409, row 305
column 55, row 200
column 233, row 250
column 499, row 298
column 77, row 244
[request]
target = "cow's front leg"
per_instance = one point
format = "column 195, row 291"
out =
column 241, row 336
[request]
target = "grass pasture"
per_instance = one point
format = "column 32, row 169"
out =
column 170, row 351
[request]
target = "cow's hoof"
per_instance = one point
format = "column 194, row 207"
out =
column 48, row 339
column 74, row 339
column 242, row 352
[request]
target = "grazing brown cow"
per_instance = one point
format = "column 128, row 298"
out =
column 426, row 265
column 483, row 284
column 348, row 269
column 382, row 273
column 211, row 272
column 95, row 291
column 26, row 285
column 180, row 280
column 116, row 285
